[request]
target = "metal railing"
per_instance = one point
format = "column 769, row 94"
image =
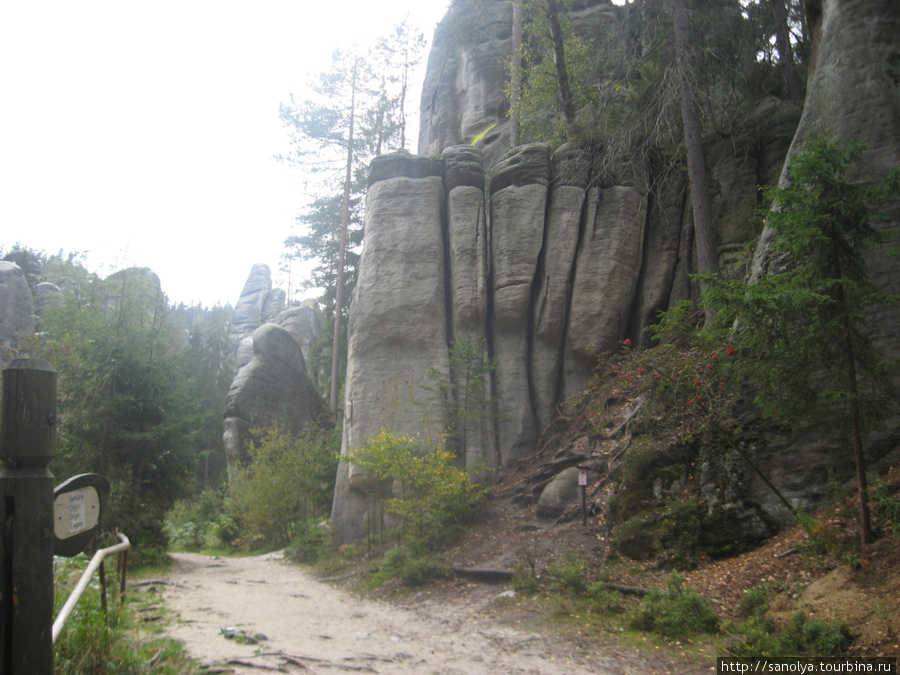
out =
column 81, row 586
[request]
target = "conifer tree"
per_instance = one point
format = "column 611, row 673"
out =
column 803, row 320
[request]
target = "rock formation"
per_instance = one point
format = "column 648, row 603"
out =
column 270, row 346
column 854, row 94
column 257, row 304
column 549, row 269
column 16, row 310
column 272, row 389
column 556, row 263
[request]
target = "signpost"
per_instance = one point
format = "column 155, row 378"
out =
column 27, row 442
column 77, row 505
column 36, row 520
column 582, row 482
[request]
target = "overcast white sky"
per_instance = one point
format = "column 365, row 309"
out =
column 144, row 132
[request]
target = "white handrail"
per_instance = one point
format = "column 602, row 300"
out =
column 98, row 558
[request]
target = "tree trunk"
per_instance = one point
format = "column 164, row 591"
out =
column 793, row 88
column 339, row 290
column 562, row 73
column 515, row 73
column 693, row 141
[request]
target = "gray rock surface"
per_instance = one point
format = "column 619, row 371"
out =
column 16, row 310
column 571, row 173
column 853, row 93
column 462, row 96
column 549, row 270
column 272, row 389
column 557, row 264
column 397, row 332
column 270, row 346
column 467, row 276
column 304, row 323
column 518, row 206
column 258, row 303
column 606, row 275
column 559, row 494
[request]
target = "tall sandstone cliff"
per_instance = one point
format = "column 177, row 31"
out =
column 550, row 264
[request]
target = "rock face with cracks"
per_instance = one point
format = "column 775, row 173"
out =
column 536, row 260
column 549, row 262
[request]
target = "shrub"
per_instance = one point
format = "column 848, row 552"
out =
column 412, row 565
column 431, row 496
column 309, row 544
column 570, row 574
column 675, row 612
column 755, row 601
column 887, row 507
column 800, row 636
column 200, row 524
column 288, row 480
column 524, row 580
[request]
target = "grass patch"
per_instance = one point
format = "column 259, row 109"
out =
column 109, row 644
column 674, row 612
column 410, row 565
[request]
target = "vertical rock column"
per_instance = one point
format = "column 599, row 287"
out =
column 570, row 167
column 398, row 324
column 607, row 269
column 518, row 207
column 662, row 247
column 468, row 261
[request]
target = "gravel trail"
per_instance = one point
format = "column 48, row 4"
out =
column 311, row 626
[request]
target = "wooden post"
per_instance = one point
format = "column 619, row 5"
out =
column 27, row 443
column 103, row 604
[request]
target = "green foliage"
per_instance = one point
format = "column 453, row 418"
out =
column 800, row 323
column 201, row 524
column 93, row 643
column 412, row 565
column 430, row 496
column 368, row 92
column 620, row 65
column 570, row 574
column 310, row 544
column 801, row 636
column 524, row 580
column 464, row 393
column 288, row 481
column 755, row 601
column 675, row 612
column 139, row 386
column 887, row 507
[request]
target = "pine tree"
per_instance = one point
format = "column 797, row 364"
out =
column 803, row 321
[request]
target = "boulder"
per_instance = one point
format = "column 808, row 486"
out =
column 272, row 389
column 304, row 323
column 559, row 494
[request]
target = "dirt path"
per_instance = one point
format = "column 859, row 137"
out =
column 314, row 627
